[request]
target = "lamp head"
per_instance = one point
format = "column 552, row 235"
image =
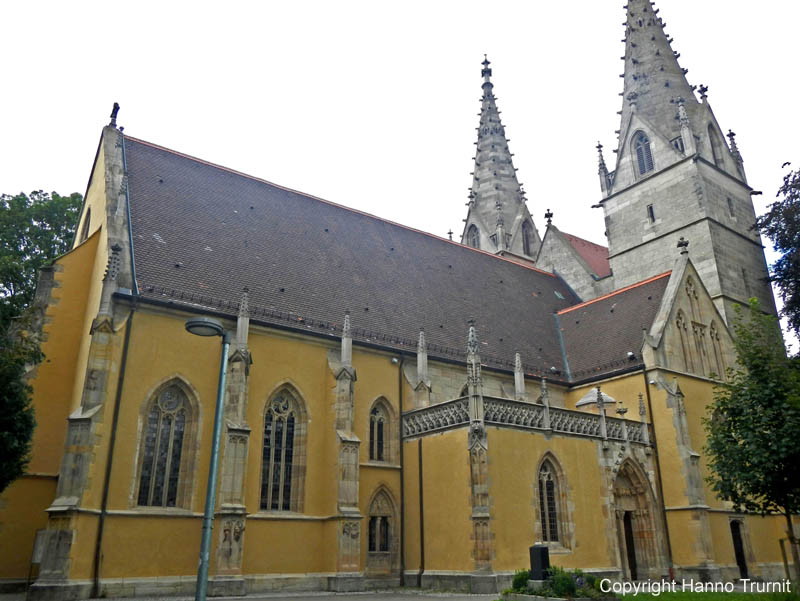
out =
column 204, row 326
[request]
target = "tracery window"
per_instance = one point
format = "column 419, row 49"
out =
column 644, row 156
column 381, row 547
column 548, row 502
column 281, row 476
column 683, row 333
column 163, row 444
column 473, row 237
column 377, row 427
column 527, row 238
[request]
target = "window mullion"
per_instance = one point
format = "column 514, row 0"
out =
column 152, row 483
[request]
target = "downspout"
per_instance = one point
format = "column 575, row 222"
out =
column 110, row 459
column 658, row 471
column 421, row 517
column 402, row 473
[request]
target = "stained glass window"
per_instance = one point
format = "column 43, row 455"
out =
column 548, row 492
column 165, row 428
column 278, row 453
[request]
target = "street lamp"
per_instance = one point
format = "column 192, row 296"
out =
column 205, row 326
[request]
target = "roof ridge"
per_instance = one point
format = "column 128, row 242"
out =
column 335, row 204
column 615, row 292
column 584, row 240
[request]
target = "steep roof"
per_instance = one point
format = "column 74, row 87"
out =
column 202, row 233
column 599, row 333
column 595, row 255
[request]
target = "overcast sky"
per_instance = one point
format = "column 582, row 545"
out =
column 374, row 104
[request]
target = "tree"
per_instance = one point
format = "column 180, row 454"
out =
column 754, row 425
column 781, row 224
column 34, row 230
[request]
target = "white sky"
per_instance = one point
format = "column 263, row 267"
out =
column 374, row 104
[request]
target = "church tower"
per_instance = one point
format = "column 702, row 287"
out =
column 676, row 177
column 498, row 220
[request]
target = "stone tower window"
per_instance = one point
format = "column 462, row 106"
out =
column 163, row 476
column 716, row 145
column 282, row 453
column 644, row 156
column 527, row 238
column 473, row 237
column 651, row 214
column 731, row 211
column 548, row 502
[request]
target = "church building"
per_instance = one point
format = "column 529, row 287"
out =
column 399, row 408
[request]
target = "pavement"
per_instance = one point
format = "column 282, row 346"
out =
column 393, row 595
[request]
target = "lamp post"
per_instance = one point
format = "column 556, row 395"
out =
column 205, row 326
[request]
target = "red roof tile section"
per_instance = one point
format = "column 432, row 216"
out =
column 595, row 255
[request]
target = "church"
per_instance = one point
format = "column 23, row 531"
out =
column 399, row 408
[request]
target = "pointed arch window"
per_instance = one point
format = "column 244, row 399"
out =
column 282, row 450
column 381, row 533
column 473, row 236
column 163, row 473
column 683, row 334
column 87, row 221
column 527, row 238
column 377, row 432
column 716, row 145
column 644, row 156
column 548, row 502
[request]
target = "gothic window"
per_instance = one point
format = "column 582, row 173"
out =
column 381, row 533
column 163, row 471
column 379, row 432
column 281, row 469
column 644, row 156
column 527, row 238
column 549, row 502
column 716, row 145
column 683, row 333
column 86, row 225
column 473, row 237
column 731, row 210
column 677, row 144
column 691, row 292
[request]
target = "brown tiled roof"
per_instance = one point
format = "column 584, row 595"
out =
column 599, row 333
column 202, row 233
column 595, row 255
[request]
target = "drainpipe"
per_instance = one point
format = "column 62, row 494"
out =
column 402, row 472
column 109, row 459
column 658, row 471
column 421, row 516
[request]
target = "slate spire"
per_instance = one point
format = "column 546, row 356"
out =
column 496, row 197
column 653, row 78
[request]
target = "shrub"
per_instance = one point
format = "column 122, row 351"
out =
column 520, row 582
column 562, row 582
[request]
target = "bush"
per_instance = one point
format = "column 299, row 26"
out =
column 520, row 582
column 563, row 583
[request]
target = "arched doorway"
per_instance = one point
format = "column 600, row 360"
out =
column 738, row 547
column 637, row 530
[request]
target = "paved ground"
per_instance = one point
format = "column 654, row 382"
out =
column 395, row 595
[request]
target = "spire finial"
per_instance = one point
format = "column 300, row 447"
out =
column 703, row 92
column 450, row 234
column 114, row 111
column 683, row 245
column 549, row 216
column 472, row 338
column 601, row 160
column 486, row 72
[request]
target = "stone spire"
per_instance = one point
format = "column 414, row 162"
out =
column 497, row 201
column 653, row 77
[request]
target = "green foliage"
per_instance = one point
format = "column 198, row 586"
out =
column 781, row 224
column 755, row 422
column 562, row 582
column 520, row 582
column 34, row 230
column 16, row 413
